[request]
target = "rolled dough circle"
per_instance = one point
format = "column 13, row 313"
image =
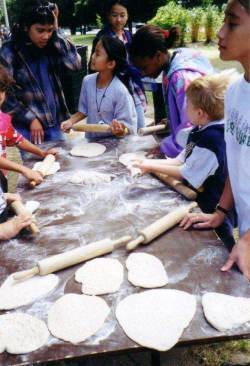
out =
column 146, row 270
column 14, row 294
column 74, row 318
column 225, row 312
column 100, row 276
column 21, row 333
column 89, row 177
column 52, row 170
column 88, row 150
column 156, row 318
column 127, row 159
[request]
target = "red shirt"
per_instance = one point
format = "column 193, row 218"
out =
column 8, row 135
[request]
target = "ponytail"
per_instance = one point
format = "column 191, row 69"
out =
column 150, row 39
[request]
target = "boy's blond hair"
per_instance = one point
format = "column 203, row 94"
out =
column 208, row 92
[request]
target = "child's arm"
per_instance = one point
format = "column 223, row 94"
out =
column 30, row 174
column 11, row 197
column 66, row 125
column 34, row 149
column 149, row 166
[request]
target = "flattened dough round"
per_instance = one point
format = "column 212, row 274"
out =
column 52, row 170
column 146, row 270
column 126, row 159
column 100, row 276
column 225, row 312
column 14, row 294
column 88, row 150
column 89, row 177
column 21, row 333
column 156, row 318
column 74, row 318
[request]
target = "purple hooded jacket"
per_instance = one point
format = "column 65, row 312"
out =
column 186, row 65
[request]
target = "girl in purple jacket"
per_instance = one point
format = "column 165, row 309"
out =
column 149, row 51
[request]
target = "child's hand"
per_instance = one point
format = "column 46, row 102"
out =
column 55, row 13
column 118, row 129
column 11, row 228
column 202, row 220
column 51, row 151
column 66, row 125
column 154, row 153
column 11, row 197
column 37, row 133
column 32, row 175
column 142, row 165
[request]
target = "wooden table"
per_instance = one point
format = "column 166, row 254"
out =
column 73, row 215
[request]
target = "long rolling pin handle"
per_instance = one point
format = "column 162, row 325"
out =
column 135, row 243
column 24, row 275
column 121, row 241
column 34, row 228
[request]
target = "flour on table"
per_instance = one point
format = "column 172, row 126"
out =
column 225, row 312
column 89, row 177
column 32, row 206
column 74, row 318
column 100, row 276
column 156, row 318
column 52, row 170
column 22, row 333
column 14, row 294
column 88, row 150
column 146, row 270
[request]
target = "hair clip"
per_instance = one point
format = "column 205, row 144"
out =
column 165, row 33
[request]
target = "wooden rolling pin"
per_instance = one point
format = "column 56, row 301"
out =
column 148, row 130
column 20, row 209
column 160, row 226
column 98, row 127
column 63, row 260
column 45, row 166
column 178, row 186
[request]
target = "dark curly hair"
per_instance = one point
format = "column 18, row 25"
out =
column 34, row 11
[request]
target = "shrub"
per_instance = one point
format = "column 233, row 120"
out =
column 212, row 22
column 196, row 16
column 170, row 15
